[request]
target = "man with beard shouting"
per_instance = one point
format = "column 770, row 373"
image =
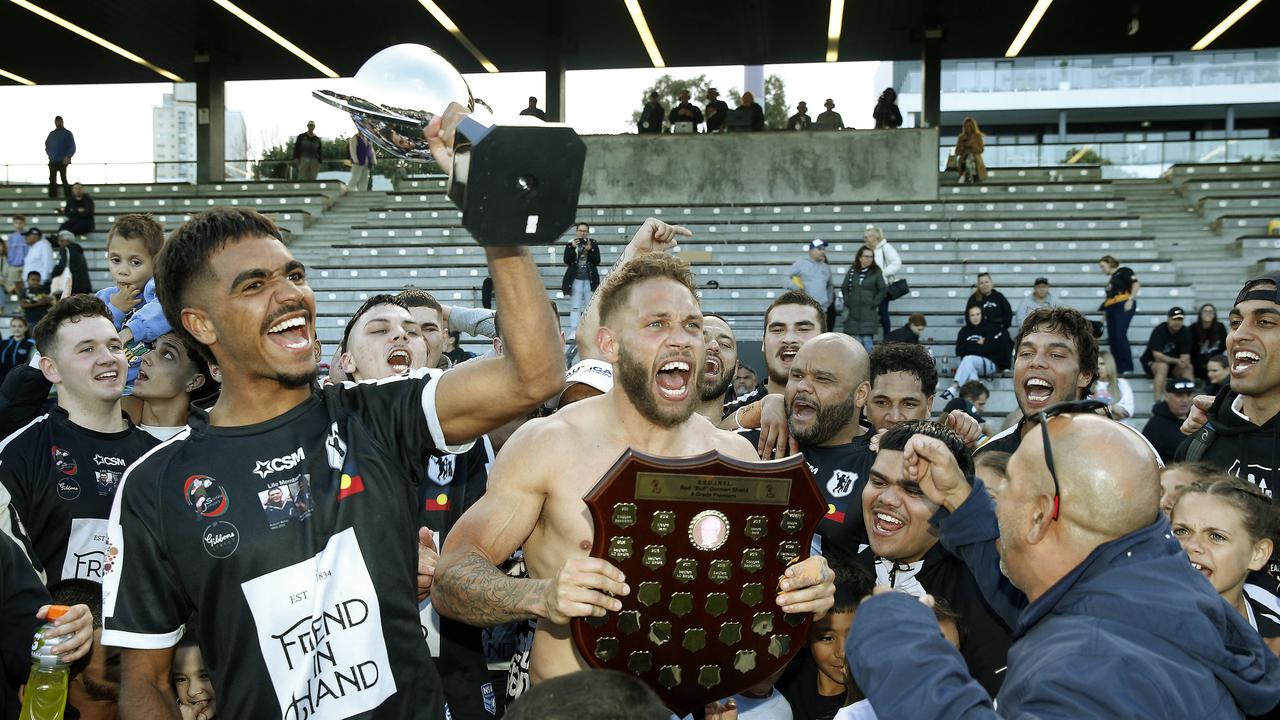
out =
column 651, row 331
column 828, row 385
column 718, row 369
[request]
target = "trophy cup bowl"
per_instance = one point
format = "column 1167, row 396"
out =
column 516, row 180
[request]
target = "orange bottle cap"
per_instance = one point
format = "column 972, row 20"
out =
column 57, row 611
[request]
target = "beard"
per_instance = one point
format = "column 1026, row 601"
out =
column 829, row 421
column 297, row 380
column 636, row 380
column 708, row 391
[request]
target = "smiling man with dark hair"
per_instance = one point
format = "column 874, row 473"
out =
column 305, row 605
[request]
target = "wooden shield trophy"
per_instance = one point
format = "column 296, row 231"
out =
column 703, row 542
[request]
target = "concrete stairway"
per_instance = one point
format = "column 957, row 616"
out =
column 315, row 244
column 1208, row 262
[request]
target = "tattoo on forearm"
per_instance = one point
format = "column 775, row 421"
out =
column 475, row 592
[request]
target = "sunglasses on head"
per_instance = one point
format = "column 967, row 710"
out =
column 1070, row 407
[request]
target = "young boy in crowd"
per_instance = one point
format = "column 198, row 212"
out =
column 132, row 246
column 35, row 299
column 94, row 690
column 191, row 681
column 816, row 683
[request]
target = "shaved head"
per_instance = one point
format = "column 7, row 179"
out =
column 827, row 384
column 1109, row 486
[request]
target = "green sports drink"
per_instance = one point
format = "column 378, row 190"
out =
column 46, row 695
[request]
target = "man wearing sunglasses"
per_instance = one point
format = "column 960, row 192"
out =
column 1055, row 360
column 1109, row 619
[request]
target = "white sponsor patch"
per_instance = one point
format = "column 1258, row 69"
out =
column 86, row 549
column 320, row 630
column 841, row 483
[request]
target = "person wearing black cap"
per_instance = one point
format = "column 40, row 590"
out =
column 1041, row 296
column 1164, row 429
column 1242, row 434
column 1168, row 352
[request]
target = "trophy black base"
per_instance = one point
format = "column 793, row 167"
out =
column 517, row 184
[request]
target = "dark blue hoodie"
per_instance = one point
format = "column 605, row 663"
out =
column 1132, row 632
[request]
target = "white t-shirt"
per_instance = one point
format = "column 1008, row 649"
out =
column 860, row 710
column 162, row 432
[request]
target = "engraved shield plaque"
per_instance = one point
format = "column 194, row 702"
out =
column 703, row 542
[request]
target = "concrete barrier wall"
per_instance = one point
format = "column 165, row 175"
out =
column 766, row 167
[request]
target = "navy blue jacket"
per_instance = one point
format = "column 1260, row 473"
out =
column 1133, row 631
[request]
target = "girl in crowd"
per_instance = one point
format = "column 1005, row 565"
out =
column 1218, row 374
column 889, row 262
column 1113, row 388
column 1208, row 339
column 968, row 153
column 1227, row 527
column 1120, row 305
column 863, row 289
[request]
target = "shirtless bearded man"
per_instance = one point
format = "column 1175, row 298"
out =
column 651, row 331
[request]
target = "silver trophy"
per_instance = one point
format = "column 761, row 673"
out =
column 515, row 180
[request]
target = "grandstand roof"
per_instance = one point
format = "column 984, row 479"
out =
column 598, row 34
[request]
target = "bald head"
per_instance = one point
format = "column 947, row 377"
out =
column 1109, row 486
column 827, row 385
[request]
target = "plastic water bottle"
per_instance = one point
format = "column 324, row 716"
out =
column 46, row 694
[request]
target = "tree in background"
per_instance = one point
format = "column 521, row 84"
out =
column 669, row 89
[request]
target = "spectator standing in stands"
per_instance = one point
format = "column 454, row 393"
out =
column 362, row 157
column 717, row 111
column 862, row 290
column 886, row 113
column 828, row 119
column 14, row 256
column 748, row 103
column 1120, row 305
column 968, row 152
column 801, row 120
column 685, row 111
column 15, row 350
column 1168, row 352
column 307, row 153
column 1164, row 429
column 582, row 274
column 979, row 346
column 59, row 146
column 534, row 110
column 889, row 262
column 1112, row 389
column 1208, row 338
column 910, row 332
column 1041, row 296
column 651, row 116
column 78, row 211
column 39, row 257
column 995, row 306
column 69, row 258
column 812, row 276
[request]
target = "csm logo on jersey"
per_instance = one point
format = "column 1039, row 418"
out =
column 286, row 462
column 104, row 460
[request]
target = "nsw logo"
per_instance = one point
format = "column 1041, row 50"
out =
column 285, row 462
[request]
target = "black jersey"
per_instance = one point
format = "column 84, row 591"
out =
column 63, row 478
column 309, row 614
column 453, row 484
column 841, row 472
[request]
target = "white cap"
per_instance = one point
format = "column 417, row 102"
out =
column 596, row 373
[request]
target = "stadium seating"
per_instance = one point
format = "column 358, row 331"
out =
column 1191, row 236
